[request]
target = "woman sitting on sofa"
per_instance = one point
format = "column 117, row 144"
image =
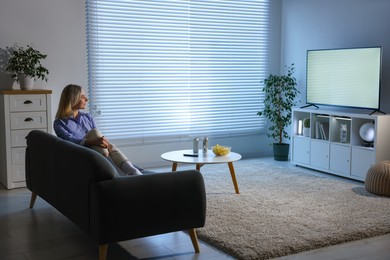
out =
column 78, row 127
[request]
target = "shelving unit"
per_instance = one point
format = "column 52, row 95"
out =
column 334, row 144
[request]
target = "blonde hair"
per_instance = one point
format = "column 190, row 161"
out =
column 70, row 97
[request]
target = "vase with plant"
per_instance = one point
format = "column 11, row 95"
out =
column 25, row 65
column 306, row 127
column 280, row 94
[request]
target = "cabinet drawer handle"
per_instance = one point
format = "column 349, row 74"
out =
column 27, row 102
column 28, row 119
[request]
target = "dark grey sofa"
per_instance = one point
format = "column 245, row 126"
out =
column 84, row 186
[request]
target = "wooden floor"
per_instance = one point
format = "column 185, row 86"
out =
column 43, row 233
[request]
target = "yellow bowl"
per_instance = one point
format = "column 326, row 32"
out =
column 220, row 150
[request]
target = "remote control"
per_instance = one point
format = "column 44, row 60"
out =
column 191, row 155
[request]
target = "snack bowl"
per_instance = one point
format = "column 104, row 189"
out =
column 220, row 150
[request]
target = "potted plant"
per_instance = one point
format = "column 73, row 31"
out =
column 25, row 65
column 306, row 127
column 280, row 93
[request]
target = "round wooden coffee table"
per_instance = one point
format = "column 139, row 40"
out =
column 177, row 157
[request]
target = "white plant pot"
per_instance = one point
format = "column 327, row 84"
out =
column 26, row 82
column 306, row 131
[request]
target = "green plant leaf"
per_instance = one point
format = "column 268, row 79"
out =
column 280, row 94
column 27, row 60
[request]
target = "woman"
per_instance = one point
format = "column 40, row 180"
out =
column 78, row 127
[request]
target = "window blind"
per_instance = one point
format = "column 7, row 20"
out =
column 169, row 70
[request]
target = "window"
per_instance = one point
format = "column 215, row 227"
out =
column 175, row 69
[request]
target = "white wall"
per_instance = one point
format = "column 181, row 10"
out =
column 54, row 27
column 57, row 28
column 318, row 24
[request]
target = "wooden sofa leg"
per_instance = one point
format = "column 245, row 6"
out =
column 194, row 239
column 32, row 200
column 103, row 251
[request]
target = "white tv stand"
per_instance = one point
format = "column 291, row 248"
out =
column 350, row 157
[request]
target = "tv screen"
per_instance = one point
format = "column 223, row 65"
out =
column 344, row 77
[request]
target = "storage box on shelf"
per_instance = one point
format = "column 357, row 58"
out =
column 334, row 144
column 21, row 112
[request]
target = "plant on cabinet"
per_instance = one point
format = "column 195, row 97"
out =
column 306, row 127
column 280, row 94
column 25, row 65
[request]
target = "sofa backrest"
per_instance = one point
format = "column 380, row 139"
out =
column 62, row 172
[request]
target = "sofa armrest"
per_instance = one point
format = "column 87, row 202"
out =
column 136, row 206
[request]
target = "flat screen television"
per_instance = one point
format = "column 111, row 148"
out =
column 349, row 77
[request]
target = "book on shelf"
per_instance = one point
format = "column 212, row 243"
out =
column 318, row 135
column 322, row 130
column 325, row 126
column 323, row 136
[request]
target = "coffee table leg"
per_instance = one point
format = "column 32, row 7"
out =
column 232, row 173
column 174, row 166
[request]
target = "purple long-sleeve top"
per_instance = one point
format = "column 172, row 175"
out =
column 74, row 129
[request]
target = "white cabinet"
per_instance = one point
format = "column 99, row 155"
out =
column 319, row 154
column 21, row 112
column 334, row 144
column 340, row 159
column 363, row 159
column 301, row 152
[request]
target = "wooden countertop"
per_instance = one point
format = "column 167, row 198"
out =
column 20, row 91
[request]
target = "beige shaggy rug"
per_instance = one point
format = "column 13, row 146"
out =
column 285, row 210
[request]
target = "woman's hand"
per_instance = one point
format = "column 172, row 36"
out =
column 98, row 141
column 104, row 142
